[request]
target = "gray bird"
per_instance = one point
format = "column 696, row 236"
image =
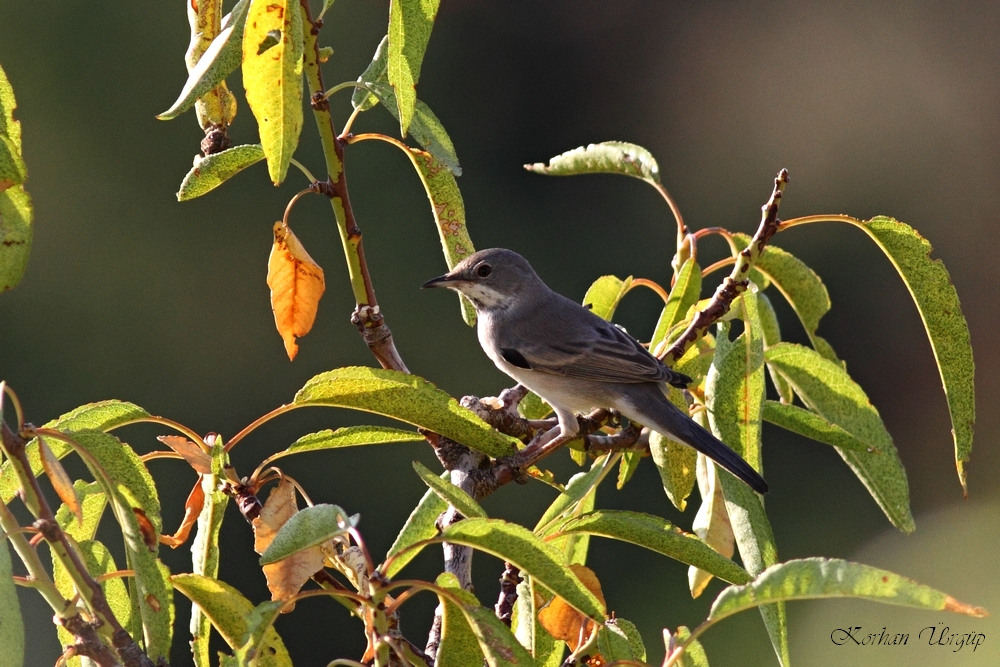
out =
column 575, row 360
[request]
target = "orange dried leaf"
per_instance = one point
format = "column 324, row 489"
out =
column 285, row 577
column 190, row 452
column 296, row 283
column 61, row 482
column 192, row 508
column 562, row 621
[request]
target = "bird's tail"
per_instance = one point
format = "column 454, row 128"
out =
column 666, row 418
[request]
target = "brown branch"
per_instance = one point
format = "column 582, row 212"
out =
column 736, row 282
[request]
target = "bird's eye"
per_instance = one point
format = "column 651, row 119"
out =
column 484, row 270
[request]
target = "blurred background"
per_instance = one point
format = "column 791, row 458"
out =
column 874, row 108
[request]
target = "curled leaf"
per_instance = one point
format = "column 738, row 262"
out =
column 296, row 283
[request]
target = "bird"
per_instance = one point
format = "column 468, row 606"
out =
column 574, row 359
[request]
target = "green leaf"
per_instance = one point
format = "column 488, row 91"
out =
column 827, row 389
column 459, row 644
column 130, row 490
column 451, row 494
column 12, row 168
column 801, row 287
column 229, row 612
column 609, row 157
column 99, row 562
column 448, row 209
column 425, row 127
column 659, row 535
column 256, row 639
column 604, row 295
column 618, row 639
column 306, row 528
column 811, row 425
column 12, row 628
column 771, row 333
column 937, row 302
column 212, row 171
column 273, row 80
column 219, row 60
column 100, row 416
column 516, row 544
column 205, row 555
column 410, row 24
column 15, row 204
column 676, row 464
column 579, row 486
column 811, row 578
column 364, row 98
column 93, row 502
column 347, row 436
column 421, row 525
column 683, row 295
column 404, row 397
column 465, row 619
column 694, row 653
column 15, row 235
column 734, row 392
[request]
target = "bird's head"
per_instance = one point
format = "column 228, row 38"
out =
column 490, row 278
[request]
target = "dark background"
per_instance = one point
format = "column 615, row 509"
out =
column 875, row 108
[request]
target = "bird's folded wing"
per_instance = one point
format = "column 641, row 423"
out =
column 600, row 351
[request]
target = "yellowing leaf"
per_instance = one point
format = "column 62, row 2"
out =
column 296, row 283
column 284, row 577
column 60, row 480
column 566, row 623
column 273, row 79
column 192, row 508
column 196, row 457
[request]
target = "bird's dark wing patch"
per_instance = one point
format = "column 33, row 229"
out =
column 513, row 357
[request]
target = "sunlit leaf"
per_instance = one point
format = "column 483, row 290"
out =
column 656, row 534
column 211, row 171
column 410, row 24
column 694, row 654
column 517, row 545
column 676, row 464
column 937, row 302
column 99, row 563
column 619, row 639
column 420, row 525
column 364, row 97
column 129, row 487
column 273, row 80
column 93, row 502
column 195, row 456
column 711, row 524
column 448, row 209
column 205, row 554
column 407, row 398
column 811, row 578
column 811, row 425
column 734, row 395
column 604, row 295
column 425, row 127
column 609, row 157
column 228, row 610
column 496, row 643
column 15, row 235
column 454, row 496
column 59, row 478
column 289, row 540
column 220, row 59
column 683, row 295
column 827, row 389
column 306, row 528
column 296, row 283
column 12, row 628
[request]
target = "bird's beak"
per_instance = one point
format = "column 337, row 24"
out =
column 447, row 280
